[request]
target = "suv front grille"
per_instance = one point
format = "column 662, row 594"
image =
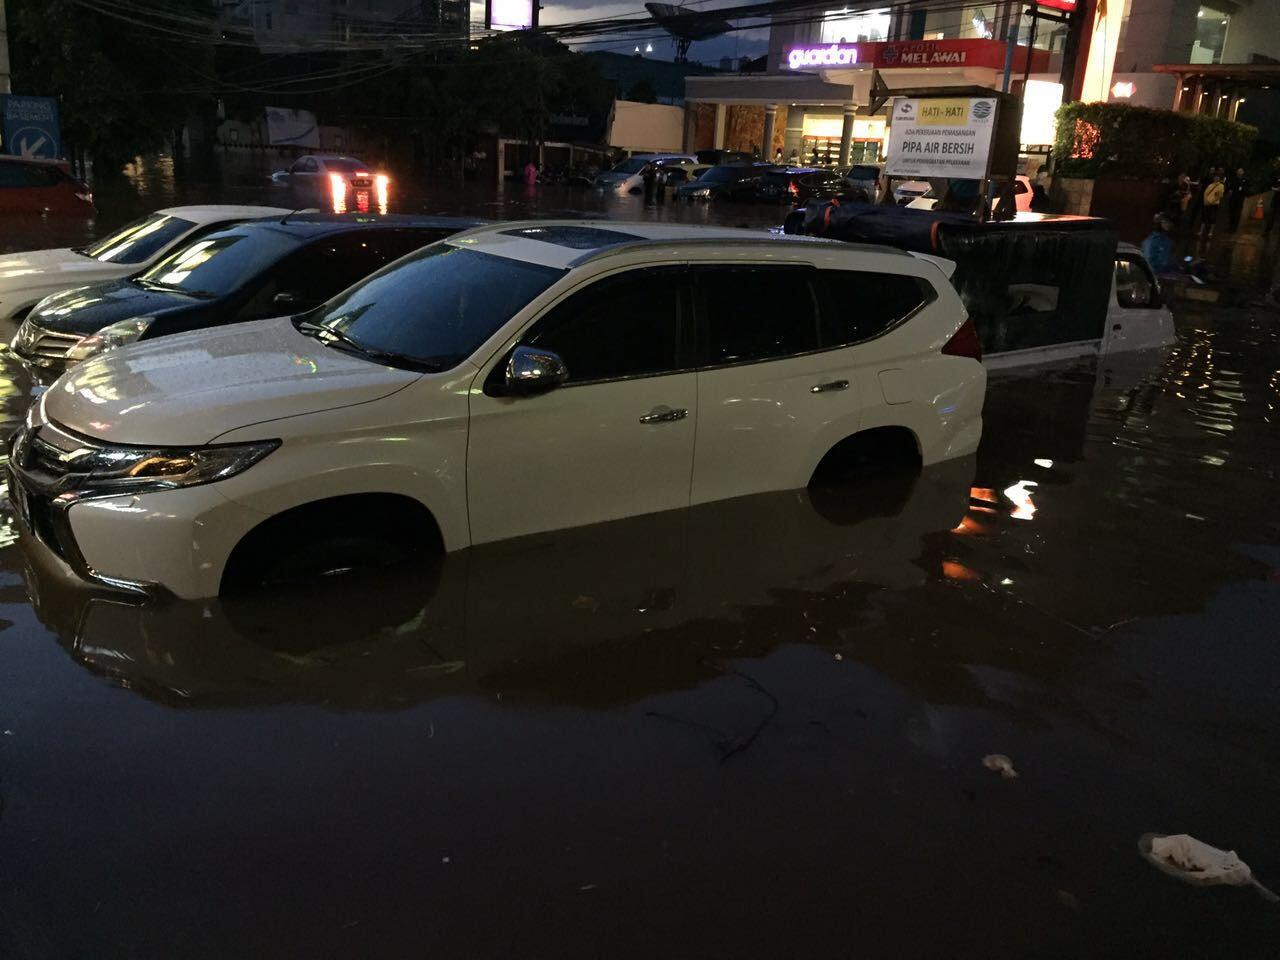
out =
column 42, row 345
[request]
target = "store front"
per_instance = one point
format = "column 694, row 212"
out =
column 826, row 87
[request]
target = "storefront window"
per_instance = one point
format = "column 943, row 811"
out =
column 841, row 26
column 1211, row 35
column 978, row 23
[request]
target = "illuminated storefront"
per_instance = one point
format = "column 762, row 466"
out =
column 812, row 100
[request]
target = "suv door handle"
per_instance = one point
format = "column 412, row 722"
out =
column 829, row 386
column 664, row 415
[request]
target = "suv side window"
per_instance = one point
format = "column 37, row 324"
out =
column 751, row 313
column 626, row 325
column 856, row 305
column 1135, row 286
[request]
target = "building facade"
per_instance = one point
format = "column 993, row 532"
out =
column 299, row 25
column 814, row 98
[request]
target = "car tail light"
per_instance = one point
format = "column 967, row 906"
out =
column 338, row 192
column 964, row 343
column 792, row 188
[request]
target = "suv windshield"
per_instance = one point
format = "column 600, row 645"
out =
column 864, row 173
column 220, row 263
column 431, row 310
column 140, row 240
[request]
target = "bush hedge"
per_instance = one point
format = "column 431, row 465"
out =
column 1123, row 141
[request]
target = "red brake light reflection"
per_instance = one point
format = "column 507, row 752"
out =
column 338, row 192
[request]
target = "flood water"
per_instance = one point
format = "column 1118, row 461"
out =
column 751, row 729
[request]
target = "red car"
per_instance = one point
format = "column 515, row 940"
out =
column 41, row 186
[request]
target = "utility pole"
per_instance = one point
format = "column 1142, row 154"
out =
column 4, row 53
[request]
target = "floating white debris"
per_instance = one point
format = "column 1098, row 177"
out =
column 1195, row 862
column 1000, row 764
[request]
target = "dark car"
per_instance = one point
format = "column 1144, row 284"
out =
column 801, row 184
column 248, row 271
column 41, row 186
column 728, row 182
column 718, row 157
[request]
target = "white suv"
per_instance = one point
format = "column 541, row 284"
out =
column 512, row 379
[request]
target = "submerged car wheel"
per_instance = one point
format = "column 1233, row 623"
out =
column 332, row 537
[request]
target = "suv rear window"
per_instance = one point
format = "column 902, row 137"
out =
column 777, row 178
column 857, row 305
column 864, row 173
column 14, row 174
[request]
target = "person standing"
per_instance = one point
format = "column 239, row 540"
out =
column 1210, row 202
column 1275, row 200
column 1237, row 190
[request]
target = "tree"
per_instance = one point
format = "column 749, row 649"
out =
column 123, row 84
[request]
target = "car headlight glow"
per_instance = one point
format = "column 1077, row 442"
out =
column 108, row 338
column 110, row 470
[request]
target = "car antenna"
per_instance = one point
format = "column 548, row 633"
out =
column 285, row 219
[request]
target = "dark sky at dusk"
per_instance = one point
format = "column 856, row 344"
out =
column 740, row 43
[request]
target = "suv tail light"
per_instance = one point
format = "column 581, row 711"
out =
column 792, row 188
column 964, row 343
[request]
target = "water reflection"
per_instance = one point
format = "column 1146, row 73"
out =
column 595, row 616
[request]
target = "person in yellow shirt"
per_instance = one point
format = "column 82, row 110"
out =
column 1209, row 204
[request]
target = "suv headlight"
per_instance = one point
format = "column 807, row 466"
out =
column 110, row 470
column 108, row 338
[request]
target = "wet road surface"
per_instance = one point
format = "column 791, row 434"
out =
column 751, row 729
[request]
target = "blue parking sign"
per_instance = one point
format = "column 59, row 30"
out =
column 31, row 127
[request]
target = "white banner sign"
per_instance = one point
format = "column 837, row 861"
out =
column 295, row 128
column 941, row 137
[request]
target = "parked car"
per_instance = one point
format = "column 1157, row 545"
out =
column 247, row 271
column 727, row 182
column 513, row 379
column 628, row 176
column 908, row 190
column 27, row 278
column 800, row 184
column 717, row 158
column 41, row 186
column 338, row 183
column 679, row 175
column 1021, row 194
column 864, row 179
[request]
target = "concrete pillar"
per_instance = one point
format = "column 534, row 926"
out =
column 722, row 120
column 846, row 133
column 770, row 121
column 690, row 128
column 794, row 132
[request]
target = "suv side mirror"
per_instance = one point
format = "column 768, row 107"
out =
column 287, row 300
column 531, row 370
column 1137, row 295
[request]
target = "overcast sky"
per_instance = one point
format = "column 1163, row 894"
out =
column 741, row 43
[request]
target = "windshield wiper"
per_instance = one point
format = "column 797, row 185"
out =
column 341, row 340
column 170, row 288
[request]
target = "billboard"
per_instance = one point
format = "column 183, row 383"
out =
column 510, row 14
column 31, row 127
column 292, row 128
column 941, row 137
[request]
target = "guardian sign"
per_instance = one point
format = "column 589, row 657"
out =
column 828, row 55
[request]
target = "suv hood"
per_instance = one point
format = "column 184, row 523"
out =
column 85, row 310
column 188, row 389
column 43, row 267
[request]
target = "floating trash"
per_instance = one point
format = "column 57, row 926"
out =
column 1197, row 863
